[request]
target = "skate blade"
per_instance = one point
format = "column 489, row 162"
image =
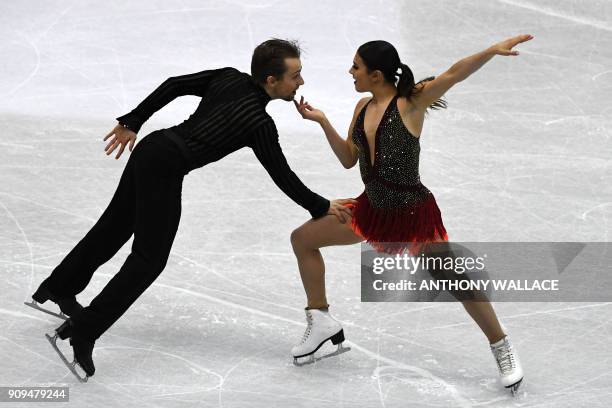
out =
column 71, row 366
column 34, row 305
column 310, row 359
column 514, row 387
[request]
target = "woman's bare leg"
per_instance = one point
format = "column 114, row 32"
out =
column 483, row 314
column 306, row 241
column 479, row 309
column 327, row 231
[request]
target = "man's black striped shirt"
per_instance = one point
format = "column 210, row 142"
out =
column 230, row 116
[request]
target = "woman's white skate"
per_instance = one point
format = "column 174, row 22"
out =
column 508, row 363
column 320, row 328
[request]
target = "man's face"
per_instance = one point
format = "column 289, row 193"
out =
column 286, row 87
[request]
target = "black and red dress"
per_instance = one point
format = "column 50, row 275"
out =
column 396, row 212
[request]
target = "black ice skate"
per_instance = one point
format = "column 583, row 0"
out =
column 68, row 306
column 82, row 350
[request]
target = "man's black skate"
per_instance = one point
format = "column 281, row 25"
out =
column 68, row 305
column 82, row 350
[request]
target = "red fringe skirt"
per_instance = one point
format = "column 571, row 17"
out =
column 398, row 230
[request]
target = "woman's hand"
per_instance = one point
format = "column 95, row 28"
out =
column 309, row 112
column 341, row 208
column 505, row 47
column 122, row 136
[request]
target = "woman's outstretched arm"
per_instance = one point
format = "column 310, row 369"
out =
column 344, row 149
column 435, row 89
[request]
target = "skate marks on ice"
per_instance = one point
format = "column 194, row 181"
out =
column 197, row 372
column 19, row 314
column 534, row 6
column 425, row 374
column 424, row 381
column 26, row 240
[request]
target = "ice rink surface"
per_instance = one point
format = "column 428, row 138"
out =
column 522, row 154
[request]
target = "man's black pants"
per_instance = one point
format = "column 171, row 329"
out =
column 147, row 204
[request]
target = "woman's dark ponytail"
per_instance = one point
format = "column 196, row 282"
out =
column 407, row 88
column 405, row 84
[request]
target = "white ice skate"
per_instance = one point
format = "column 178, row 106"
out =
column 508, row 364
column 320, row 328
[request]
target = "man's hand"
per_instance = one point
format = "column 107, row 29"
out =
column 505, row 47
column 340, row 209
column 121, row 137
column 308, row 112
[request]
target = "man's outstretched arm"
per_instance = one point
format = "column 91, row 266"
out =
column 270, row 155
column 173, row 87
column 124, row 134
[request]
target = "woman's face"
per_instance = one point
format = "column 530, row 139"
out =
column 359, row 71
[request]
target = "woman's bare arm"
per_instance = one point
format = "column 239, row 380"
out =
column 435, row 89
column 344, row 149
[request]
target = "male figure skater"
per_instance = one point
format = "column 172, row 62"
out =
column 147, row 202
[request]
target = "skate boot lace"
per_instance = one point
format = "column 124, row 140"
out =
column 308, row 328
column 505, row 358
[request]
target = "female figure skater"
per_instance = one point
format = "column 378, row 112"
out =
column 395, row 206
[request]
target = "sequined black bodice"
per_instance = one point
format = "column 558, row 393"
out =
column 393, row 181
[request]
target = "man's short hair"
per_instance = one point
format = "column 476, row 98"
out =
column 269, row 58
